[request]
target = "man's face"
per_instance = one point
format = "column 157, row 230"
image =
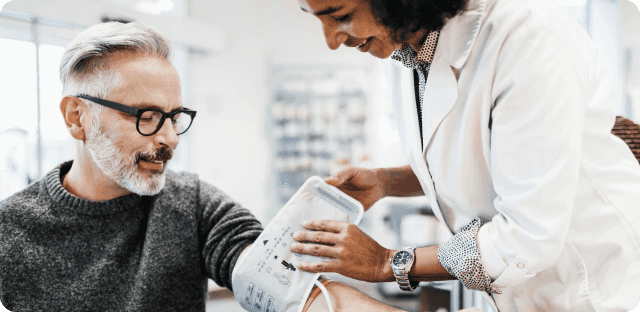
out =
column 134, row 161
column 351, row 22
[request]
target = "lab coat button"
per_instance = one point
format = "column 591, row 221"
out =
column 520, row 265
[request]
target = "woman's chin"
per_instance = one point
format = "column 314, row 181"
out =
column 381, row 52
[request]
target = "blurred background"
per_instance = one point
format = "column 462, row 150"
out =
column 275, row 107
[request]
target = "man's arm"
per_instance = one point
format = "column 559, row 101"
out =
column 226, row 229
column 346, row 298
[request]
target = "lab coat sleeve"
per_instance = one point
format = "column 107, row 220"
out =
column 460, row 257
column 492, row 262
column 536, row 136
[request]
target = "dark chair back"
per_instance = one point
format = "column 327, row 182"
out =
column 629, row 132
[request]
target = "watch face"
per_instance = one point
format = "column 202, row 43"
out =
column 401, row 258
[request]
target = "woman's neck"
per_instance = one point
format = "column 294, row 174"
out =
column 417, row 39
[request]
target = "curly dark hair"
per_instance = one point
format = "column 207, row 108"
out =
column 405, row 17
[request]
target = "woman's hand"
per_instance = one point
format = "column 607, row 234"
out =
column 360, row 183
column 354, row 254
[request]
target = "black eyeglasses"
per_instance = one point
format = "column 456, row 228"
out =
column 150, row 120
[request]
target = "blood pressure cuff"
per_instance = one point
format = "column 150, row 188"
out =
column 265, row 278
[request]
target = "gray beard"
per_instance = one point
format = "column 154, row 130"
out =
column 119, row 168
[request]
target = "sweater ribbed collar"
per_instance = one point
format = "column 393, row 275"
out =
column 68, row 201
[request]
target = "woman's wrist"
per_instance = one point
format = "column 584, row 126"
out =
column 399, row 182
column 386, row 272
column 382, row 174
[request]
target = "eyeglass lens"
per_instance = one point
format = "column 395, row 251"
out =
column 149, row 121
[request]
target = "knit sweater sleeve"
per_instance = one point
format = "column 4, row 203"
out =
column 226, row 228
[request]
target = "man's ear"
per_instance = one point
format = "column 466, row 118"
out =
column 76, row 116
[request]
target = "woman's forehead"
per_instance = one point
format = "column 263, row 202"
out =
column 318, row 7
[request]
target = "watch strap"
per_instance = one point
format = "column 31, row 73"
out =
column 405, row 283
column 402, row 275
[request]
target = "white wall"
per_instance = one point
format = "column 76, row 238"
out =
column 630, row 37
column 229, row 89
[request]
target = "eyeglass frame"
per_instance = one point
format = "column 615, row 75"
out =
column 137, row 112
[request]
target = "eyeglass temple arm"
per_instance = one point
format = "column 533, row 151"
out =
column 123, row 108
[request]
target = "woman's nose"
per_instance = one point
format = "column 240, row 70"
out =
column 333, row 37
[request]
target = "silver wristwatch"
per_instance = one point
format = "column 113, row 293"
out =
column 401, row 264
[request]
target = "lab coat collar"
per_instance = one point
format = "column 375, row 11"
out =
column 459, row 33
column 454, row 47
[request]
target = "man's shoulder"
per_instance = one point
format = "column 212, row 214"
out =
column 187, row 182
column 26, row 199
column 181, row 179
column 17, row 213
column 186, row 192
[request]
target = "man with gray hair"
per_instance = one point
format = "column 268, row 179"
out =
column 113, row 229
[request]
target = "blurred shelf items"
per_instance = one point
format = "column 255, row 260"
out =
column 317, row 118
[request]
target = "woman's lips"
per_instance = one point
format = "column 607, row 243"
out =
column 364, row 47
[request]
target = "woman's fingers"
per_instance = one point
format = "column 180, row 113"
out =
column 325, row 226
column 326, row 238
column 354, row 254
column 317, row 250
column 318, row 267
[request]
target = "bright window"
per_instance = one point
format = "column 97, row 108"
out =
column 18, row 120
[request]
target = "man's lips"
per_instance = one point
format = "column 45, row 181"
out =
column 152, row 164
column 156, row 160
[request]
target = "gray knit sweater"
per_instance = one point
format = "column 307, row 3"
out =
column 59, row 252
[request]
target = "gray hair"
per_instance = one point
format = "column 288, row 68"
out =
column 84, row 65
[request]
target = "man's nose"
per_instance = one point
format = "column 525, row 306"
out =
column 333, row 36
column 167, row 135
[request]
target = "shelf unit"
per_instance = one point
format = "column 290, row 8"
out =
column 316, row 124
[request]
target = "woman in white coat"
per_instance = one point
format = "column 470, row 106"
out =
column 505, row 115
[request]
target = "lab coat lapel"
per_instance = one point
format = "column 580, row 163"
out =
column 454, row 46
column 401, row 89
column 440, row 94
column 410, row 114
column 412, row 139
column 441, row 91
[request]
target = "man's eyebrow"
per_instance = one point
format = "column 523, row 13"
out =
column 150, row 105
column 325, row 11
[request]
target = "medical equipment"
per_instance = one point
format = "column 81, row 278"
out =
column 265, row 278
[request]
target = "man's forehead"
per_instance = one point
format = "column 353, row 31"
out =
column 146, row 82
column 137, row 62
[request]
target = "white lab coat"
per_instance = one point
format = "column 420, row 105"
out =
column 516, row 124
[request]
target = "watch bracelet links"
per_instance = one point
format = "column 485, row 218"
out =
column 402, row 275
column 403, row 281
